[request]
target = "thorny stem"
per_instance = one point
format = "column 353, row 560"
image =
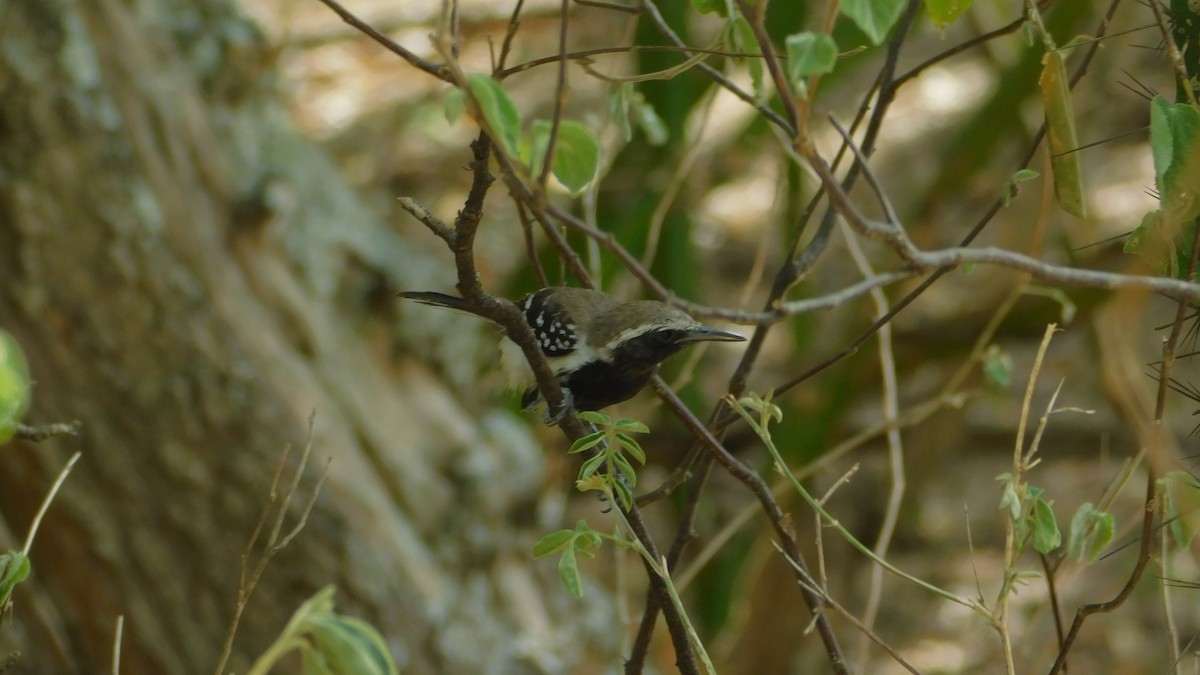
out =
column 1144, row 550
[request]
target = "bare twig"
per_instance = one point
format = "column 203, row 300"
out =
column 116, row 653
column 45, row 505
column 42, row 432
column 277, row 506
column 438, row 71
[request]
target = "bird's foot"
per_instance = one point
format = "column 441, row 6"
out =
column 567, row 407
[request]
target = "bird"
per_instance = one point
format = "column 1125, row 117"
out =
column 602, row 350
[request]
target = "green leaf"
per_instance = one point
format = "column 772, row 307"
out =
column 1046, row 536
column 1180, row 487
column 1174, row 141
column 14, row 568
column 1164, row 243
column 1010, row 186
column 623, row 494
column 631, row 426
column 587, row 537
column 498, row 111
column 648, row 120
column 1164, row 237
column 873, row 17
column 619, row 105
column 740, row 38
column 622, row 465
column 1061, row 136
column 351, row 646
column 454, row 104
column 997, row 366
column 576, row 153
column 766, row 410
column 1009, row 499
column 632, row 447
column 591, row 466
column 568, row 570
column 808, row 54
column 553, row 543
column 945, row 12
column 591, row 440
column 580, row 540
column 597, row 418
column 14, row 385
column 1091, row 530
column 1141, row 240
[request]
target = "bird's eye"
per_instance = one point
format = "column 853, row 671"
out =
column 665, row 337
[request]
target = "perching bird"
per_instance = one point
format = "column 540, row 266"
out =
column 602, row 350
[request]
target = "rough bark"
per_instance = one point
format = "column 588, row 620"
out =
column 190, row 279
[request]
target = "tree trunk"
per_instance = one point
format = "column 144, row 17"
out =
column 191, row 279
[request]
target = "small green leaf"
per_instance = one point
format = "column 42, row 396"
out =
column 625, row 469
column 329, row 644
column 553, row 543
column 740, row 38
column 576, row 153
column 630, row 426
column 588, row 537
column 632, row 447
column 1165, row 239
column 1046, row 536
column 945, row 12
column 591, row 440
column 997, row 366
column 619, row 105
column 351, row 646
column 653, row 126
column 808, row 54
column 595, row 417
column 591, row 466
column 624, row 494
column 1010, row 186
column 14, row 386
column 568, row 570
column 1180, row 487
column 498, row 111
column 580, row 540
column 454, row 104
column 1091, row 530
column 14, row 568
column 1105, row 528
column 1060, row 135
column 1139, row 241
column 1009, row 499
column 766, row 410
column 1174, row 141
column 874, row 17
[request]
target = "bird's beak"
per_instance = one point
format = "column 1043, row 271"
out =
column 709, row 334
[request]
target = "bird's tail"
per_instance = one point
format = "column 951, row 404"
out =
column 435, row 299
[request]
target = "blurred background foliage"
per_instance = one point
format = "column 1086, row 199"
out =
column 712, row 208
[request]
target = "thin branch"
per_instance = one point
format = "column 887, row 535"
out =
column 275, row 542
column 1168, row 360
column 560, row 95
column 438, row 71
column 715, row 75
column 41, row 432
column 47, row 500
column 756, row 16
